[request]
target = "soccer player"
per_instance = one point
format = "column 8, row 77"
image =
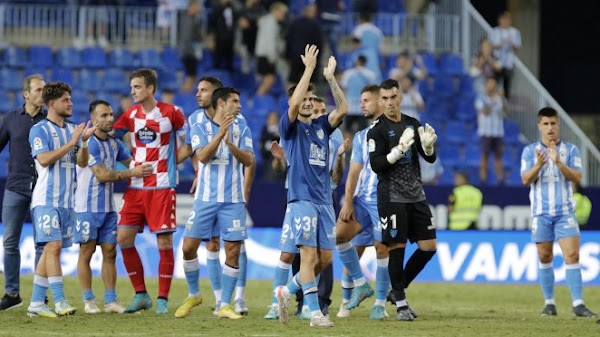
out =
column 224, row 147
column 14, row 130
column 549, row 166
column 404, row 213
column 156, row 129
column 309, row 192
column 95, row 211
column 357, row 225
column 53, row 143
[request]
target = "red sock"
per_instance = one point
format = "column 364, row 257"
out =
column 165, row 272
column 134, row 267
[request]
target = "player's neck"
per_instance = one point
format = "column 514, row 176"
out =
column 31, row 109
column 100, row 134
column 149, row 104
column 55, row 118
column 210, row 112
column 305, row 119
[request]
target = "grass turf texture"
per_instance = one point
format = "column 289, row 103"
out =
column 444, row 310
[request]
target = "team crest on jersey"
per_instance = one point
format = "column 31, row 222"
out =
column 195, row 141
column 91, row 160
column 146, row 135
column 320, row 134
column 306, row 235
column 37, row 143
column 371, row 145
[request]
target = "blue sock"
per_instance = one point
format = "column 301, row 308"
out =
column 110, row 296
column 547, row 280
column 191, row 268
column 243, row 261
column 294, row 284
column 40, row 288
column 88, row 295
column 282, row 272
column 230, row 276
column 57, row 288
column 310, row 295
column 214, row 272
column 349, row 258
column 382, row 279
column 347, row 286
column 573, row 277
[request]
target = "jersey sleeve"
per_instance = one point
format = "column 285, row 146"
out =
column 246, row 140
column 122, row 151
column 38, row 140
column 527, row 159
column 123, row 124
column 199, row 138
column 574, row 158
column 188, row 133
column 377, row 150
column 95, row 154
column 286, row 129
column 357, row 149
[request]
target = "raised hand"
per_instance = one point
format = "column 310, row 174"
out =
column 428, row 137
column 310, row 56
column 541, row 157
column 552, row 151
column 277, row 151
column 329, row 70
column 406, row 140
column 343, row 147
column 76, row 134
column 88, row 131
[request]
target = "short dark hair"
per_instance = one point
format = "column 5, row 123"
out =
column 54, row 90
column 223, row 94
column 215, row 82
column 149, row 75
column 361, row 59
column 97, row 102
column 547, row 112
column 319, row 100
column 389, row 84
column 372, row 88
column 311, row 87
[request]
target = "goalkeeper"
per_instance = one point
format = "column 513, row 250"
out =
column 394, row 143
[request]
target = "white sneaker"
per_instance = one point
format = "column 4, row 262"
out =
column 282, row 305
column 114, row 307
column 343, row 312
column 91, row 307
column 217, row 307
column 320, row 321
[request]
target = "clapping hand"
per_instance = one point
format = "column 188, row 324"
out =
column 428, row 138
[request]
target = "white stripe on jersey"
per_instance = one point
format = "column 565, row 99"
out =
column 366, row 185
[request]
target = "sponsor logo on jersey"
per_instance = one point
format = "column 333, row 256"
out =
column 146, row 135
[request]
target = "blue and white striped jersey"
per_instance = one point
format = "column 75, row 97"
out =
column 492, row 124
column 222, row 179
column 92, row 195
column 56, row 182
column 551, row 194
column 196, row 117
column 366, row 187
column 505, row 38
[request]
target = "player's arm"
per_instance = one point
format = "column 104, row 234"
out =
column 47, row 158
column 4, row 136
column 530, row 170
column 347, row 211
column 338, row 169
column 310, row 62
column 244, row 154
column 341, row 105
column 380, row 160
column 105, row 175
column 83, row 153
column 572, row 170
column 207, row 152
column 425, row 140
column 249, row 172
column 184, row 153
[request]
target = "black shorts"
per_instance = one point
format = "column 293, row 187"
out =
column 264, row 67
column 492, row 144
column 400, row 222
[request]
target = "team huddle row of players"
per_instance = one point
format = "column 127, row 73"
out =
column 73, row 198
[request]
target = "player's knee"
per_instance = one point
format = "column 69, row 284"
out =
column 287, row 257
column 571, row 257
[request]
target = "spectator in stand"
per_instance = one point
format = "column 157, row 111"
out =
column 190, row 42
column 484, row 65
column 412, row 102
column 270, row 133
column 464, row 204
column 269, row 46
column 353, row 80
column 305, row 30
column 370, row 36
column 506, row 40
column 248, row 25
column 407, row 65
column 371, row 55
column 222, row 26
column 330, row 22
column 583, row 205
column 97, row 17
column 491, row 108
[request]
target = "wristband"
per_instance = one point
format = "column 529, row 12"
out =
column 84, row 144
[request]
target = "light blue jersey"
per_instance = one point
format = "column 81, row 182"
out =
column 366, row 187
column 92, row 195
column 55, row 184
column 307, row 151
column 551, row 194
column 222, row 179
column 197, row 116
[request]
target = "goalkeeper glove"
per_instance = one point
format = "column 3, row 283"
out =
column 428, row 138
column 398, row 151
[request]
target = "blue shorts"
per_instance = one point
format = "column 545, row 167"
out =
column 313, row 224
column 95, row 226
column 287, row 243
column 545, row 228
column 53, row 224
column 367, row 216
column 213, row 219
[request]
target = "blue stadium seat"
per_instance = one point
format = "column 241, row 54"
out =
column 149, row 57
column 16, row 57
column 431, row 63
column 81, row 104
column 444, row 85
column 187, row 101
column 41, row 56
column 89, row 80
column 511, row 129
column 282, row 104
column 168, row 80
column 451, row 64
column 62, row 74
column 170, row 59
column 94, row 57
column 34, row 69
column 206, row 62
column 6, row 103
column 454, row 133
column 223, row 75
column 245, row 83
column 263, row 104
column 121, row 58
column 115, row 81
column 68, row 57
column 10, row 79
column 108, row 97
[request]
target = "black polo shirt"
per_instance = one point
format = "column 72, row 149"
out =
column 14, row 129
